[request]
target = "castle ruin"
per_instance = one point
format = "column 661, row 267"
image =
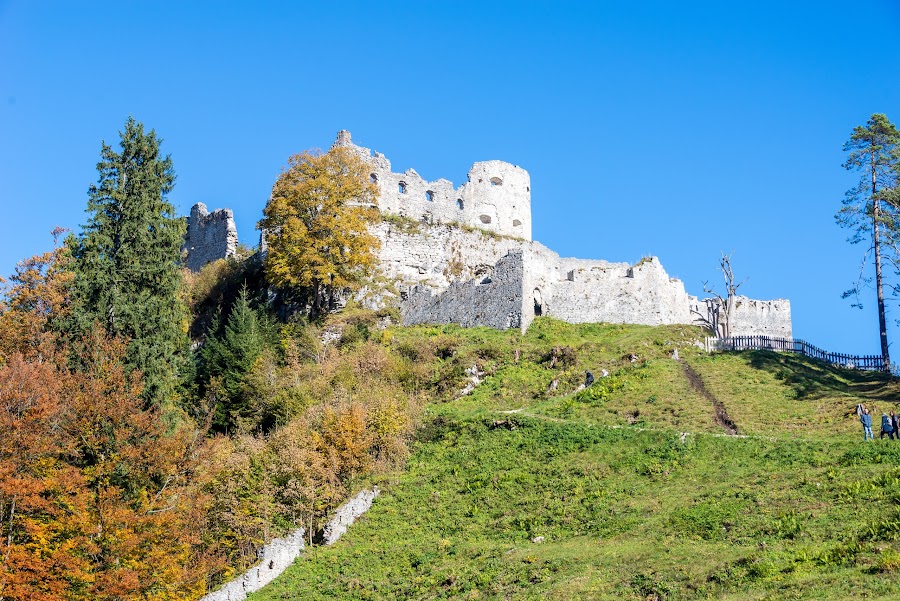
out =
column 470, row 260
column 210, row 236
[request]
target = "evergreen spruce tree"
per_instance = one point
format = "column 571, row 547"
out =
column 870, row 208
column 227, row 356
column 126, row 260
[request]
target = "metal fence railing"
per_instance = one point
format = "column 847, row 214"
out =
column 801, row 347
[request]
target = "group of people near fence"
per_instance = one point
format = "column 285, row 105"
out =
column 890, row 424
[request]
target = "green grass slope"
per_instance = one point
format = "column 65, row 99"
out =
column 630, row 489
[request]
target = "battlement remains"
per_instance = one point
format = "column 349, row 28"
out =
column 495, row 197
column 210, row 236
column 443, row 273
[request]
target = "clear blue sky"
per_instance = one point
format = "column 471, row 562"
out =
column 677, row 129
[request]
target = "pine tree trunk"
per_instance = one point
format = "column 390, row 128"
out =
column 876, row 238
column 882, row 321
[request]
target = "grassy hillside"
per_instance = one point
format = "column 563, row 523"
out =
column 630, row 489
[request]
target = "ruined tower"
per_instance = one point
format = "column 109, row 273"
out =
column 495, row 197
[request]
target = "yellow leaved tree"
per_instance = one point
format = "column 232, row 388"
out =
column 316, row 226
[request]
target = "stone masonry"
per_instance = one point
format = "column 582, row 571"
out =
column 465, row 255
column 280, row 553
column 496, row 196
column 494, row 299
column 210, row 236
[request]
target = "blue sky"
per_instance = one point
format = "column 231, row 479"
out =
column 675, row 129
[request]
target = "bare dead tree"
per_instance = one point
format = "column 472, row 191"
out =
column 719, row 316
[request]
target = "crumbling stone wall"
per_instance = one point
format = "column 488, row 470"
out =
column 347, row 514
column 762, row 318
column 752, row 317
column 210, row 236
column 280, row 553
column 435, row 256
column 580, row 291
column 494, row 299
column 495, row 197
column 465, row 255
column 274, row 559
column 440, row 273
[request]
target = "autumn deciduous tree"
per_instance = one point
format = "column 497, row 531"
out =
column 95, row 495
column 870, row 209
column 316, row 225
column 35, row 298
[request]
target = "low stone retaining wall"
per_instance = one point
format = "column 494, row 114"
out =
column 275, row 559
column 281, row 552
column 346, row 514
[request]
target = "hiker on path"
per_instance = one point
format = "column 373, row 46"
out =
column 866, row 420
column 896, row 422
column 886, row 426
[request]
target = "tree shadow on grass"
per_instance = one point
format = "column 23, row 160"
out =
column 811, row 379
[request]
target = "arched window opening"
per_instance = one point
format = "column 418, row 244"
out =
column 373, row 178
column 517, row 223
column 401, row 187
column 496, row 181
column 485, row 218
column 459, row 204
column 429, row 196
column 538, row 303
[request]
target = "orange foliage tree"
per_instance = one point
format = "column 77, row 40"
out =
column 96, row 497
column 99, row 498
column 36, row 295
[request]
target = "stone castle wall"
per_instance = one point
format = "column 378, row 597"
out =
column 435, row 256
column 580, row 291
column 761, row 318
column 466, row 256
column 493, row 299
column 440, row 274
column 495, row 197
column 210, row 236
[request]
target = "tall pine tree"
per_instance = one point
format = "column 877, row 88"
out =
column 126, row 260
column 870, row 208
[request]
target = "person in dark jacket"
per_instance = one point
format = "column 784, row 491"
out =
column 886, row 426
column 866, row 420
column 896, row 424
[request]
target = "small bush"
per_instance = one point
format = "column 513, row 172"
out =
column 650, row 586
column 559, row 357
column 788, row 526
column 707, row 520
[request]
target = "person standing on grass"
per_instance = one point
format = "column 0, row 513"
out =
column 866, row 420
column 896, row 423
column 886, row 426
